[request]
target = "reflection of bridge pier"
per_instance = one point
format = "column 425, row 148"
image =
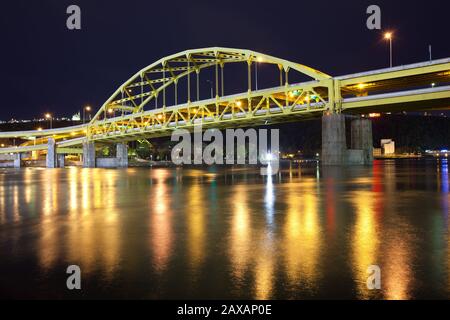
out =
column 334, row 142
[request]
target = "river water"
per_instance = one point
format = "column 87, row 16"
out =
column 207, row 232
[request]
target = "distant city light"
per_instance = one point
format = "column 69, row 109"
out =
column 374, row 115
column 388, row 35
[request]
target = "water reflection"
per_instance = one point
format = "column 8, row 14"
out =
column 196, row 225
column 269, row 200
column 219, row 233
column 161, row 233
column 365, row 239
column 240, row 235
column 302, row 243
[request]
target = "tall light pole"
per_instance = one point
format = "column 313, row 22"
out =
column 388, row 36
column 211, row 87
column 88, row 109
column 49, row 117
column 259, row 59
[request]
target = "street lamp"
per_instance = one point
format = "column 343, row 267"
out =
column 211, row 87
column 88, row 109
column 49, row 117
column 259, row 59
column 388, row 36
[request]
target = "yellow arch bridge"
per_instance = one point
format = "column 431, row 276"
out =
column 165, row 96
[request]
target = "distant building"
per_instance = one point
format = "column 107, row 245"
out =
column 376, row 152
column 387, row 146
column 76, row 117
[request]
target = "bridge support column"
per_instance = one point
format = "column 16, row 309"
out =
column 51, row 153
column 17, row 160
column 61, row 160
column 88, row 155
column 362, row 138
column 334, row 145
column 122, row 155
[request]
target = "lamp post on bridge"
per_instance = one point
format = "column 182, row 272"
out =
column 211, row 87
column 258, row 59
column 50, row 118
column 388, row 36
column 88, row 109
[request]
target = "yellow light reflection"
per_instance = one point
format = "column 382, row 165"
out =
column 49, row 241
column 93, row 236
column 397, row 274
column 302, row 236
column 73, row 189
column 264, row 273
column 196, row 225
column 240, row 234
column 365, row 240
column 161, row 222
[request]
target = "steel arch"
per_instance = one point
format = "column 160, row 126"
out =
column 183, row 64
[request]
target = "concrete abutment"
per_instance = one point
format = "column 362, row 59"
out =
column 334, row 142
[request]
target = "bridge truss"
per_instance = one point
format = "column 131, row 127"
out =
column 166, row 95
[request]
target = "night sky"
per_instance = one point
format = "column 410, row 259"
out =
column 46, row 67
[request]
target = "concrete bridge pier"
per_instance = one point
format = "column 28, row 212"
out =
column 361, row 138
column 50, row 159
column 334, row 143
column 122, row 155
column 89, row 160
column 17, row 160
column 61, row 160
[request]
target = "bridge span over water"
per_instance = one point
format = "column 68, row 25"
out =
column 166, row 95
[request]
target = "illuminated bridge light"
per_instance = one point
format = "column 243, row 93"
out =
column 362, row 86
